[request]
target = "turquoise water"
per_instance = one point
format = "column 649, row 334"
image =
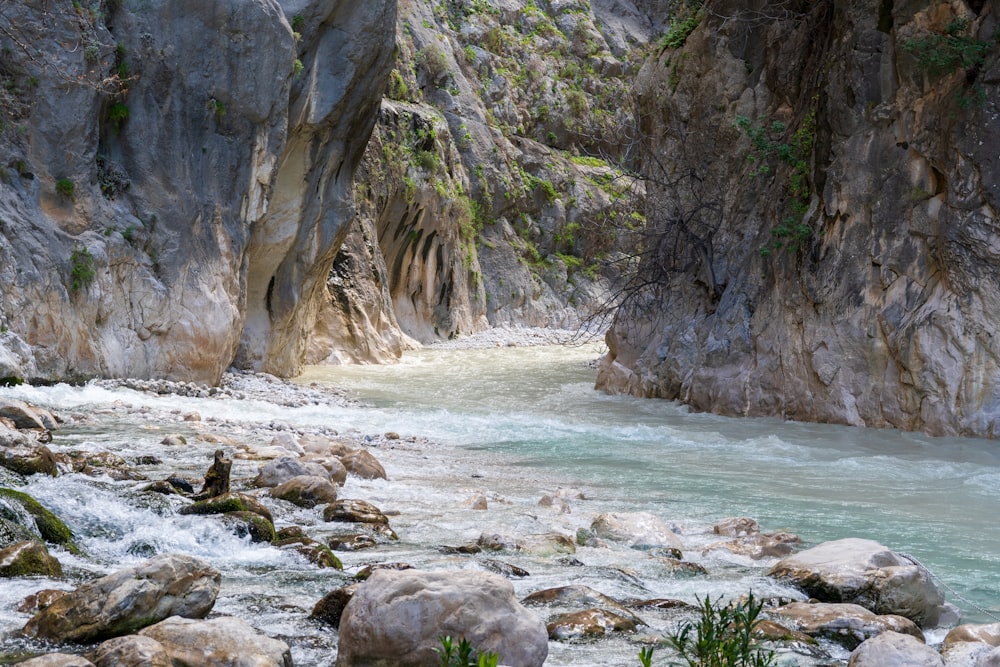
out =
column 937, row 499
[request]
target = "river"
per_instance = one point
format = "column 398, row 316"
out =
column 512, row 424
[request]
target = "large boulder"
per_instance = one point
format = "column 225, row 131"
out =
column 130, row 651
column 847, row 624
column 398, row 617
column 639, row 530
column 866, row 573
column 24, row 416
column 306, row 491
column 970, row 632
column 892, row 649
column 285, row 468
column 29, row 459
column 588, row 623
column 130, row 599
column 26, row 559
column 218, row 642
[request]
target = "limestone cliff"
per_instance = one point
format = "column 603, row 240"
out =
column 176, row 179
column 824, row 241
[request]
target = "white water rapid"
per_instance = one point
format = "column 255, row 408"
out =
column 513, row 424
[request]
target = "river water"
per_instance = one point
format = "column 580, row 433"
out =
column 512, row 424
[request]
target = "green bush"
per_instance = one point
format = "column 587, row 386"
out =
column 681, row 28
column 118, row 113
column 65, row 188
column 82, row 270
column 723, row 636
column 946, row 53
column 435, row 63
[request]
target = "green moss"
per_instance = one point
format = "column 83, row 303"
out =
column 32, row 559
column 49, row 526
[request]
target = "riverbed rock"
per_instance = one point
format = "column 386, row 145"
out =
column 398, row 617
column 10, row 436
column 362, row 464
column 580, row 596
column 847, row 624
column 285, row 468
column 967, row 654
column 892, row 649
column 736, row 527
column 57, row 660
column 18, row 509
column 29, row 460
column 129, row 599
column 228, row 502
column 218, row 642
column 331, row 606
column 352, row 542
column 287, row 441
column 40, row 600
column 130, row 651
column 476, row 501
column 866, row 573
column 971, row 632
column 545, row 544
column 217, row 477
column 759, row 545
column 306, row 491
column 335, row 470
column 358, row 511
column 588, row 623
column 639, row 530
column 242, row 524
column 26, row 559
column 23, row 415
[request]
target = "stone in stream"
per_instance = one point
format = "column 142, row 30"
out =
column 331, row 606
column 129, row 599
column 130, row 651
column 336, row 472
column 736, row 527
column 217, row 477
column 26, row 559
column 228, row 502
column 580, row 596
column 25, row 416
column 970, row 632
column 242, row 524
column 846, row 624
column 285, row 468
column 306, row 491
column 399, row 618
column 639, row 530
column 759, row 545
column 35, row 602
column 362, row 464
column 866, row 573
column 218, row 642
column 359, row 511
column 504, row 569
column 353, row 542
column 546, row 544
column 892, row 649
column 316, row 552
column 57, row 660
column 21, row 510
column 587, row 624
column 10, row 436
column 29, row 460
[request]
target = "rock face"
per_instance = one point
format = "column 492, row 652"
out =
column 162, row 224
column 397, row 617
column 866, row 573
column 128, row 600
column 823, row 209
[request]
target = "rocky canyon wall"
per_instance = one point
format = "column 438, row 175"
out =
column 176, row 179
column 824, row 241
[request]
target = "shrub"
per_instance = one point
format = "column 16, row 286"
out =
column 463, row 654
column 434, row 62
column 944, row 54
column 82, row 271
column 65, row 188
column 681, row 29
column 723, row 636
column 118, row 113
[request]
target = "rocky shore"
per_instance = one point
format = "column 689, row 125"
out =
column 343, row 510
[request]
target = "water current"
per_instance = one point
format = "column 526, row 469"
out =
column 513, row 424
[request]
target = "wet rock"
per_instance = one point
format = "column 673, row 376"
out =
column 736, row 527
column 174, row 440
column 967, row 654
column 130, row 651
column 358, row 511
column 546, row 544
column 180, row 484
column 217, row 477
column 661, row 603
column 364, row 573
column 129, row 599
column 320, row 555
column 85, row 461
column 258, row 528
column 218, row 642
column 579, row 595
column 866, row 573
column 892, row 649
column 331, row 606
column 23, row 415
column 760, row 545
column 682, row 568
column 40, row 600
column 288, row 442
column 476, row 502
column 587, row 623
column 362, row 464
column 10, row 436
column 464, row 549
column 26, row 559
column 336, row 471
column 20, row 512
column 285, row 468
column 355, row 542
column 325, row 446
column 771, row 631
column 639, row 530
column 57, row 660
column 29, row 460
column 161, row 486
column 504, row 569
column 306, row 491
column 987, row 634
column 401, row 615
column 555, row 502
column 228, row 502
column 846, row 624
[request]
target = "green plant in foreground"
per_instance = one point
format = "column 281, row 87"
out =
column 65, row 188
column 82, row 271
column 646, row 656
column 463, row 654
column 723, row 636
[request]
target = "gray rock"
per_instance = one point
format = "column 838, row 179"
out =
column 588, row 623
column 892, row 649
column 306, row 491
column 362, row 464
column 57, row 660
column 130, row 599
column 847, row 624
column 22, row 414
column 285, row 468
column 217, row 642
column 866, row 573
column 130, row 651
column 398, row 616
column 640, row 530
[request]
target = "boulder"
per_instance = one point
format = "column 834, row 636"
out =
column 760, row 545
column 362, row 464
column 218, row 642
column 10, row 436
column 287, row 441
column 306, row 491
column 736, row 527
column 283, row 469
column 476, row 501
column 358, row 511
column 892, row 649
column 23, row 415
column 334, row 468
column 353, row 542
column 866, row 573
column 217, row 477
column 23, row 511
column 588, row 623
column 847, row 624
column 29, row 460
column 398, row 617
column 130, row 651
column 967, row 654
column 226, row 503
column 970, row 632
column 26, row 559
column 639, row 530
column 57, row 660
column 130, row 599
column 331, row 606
column 242, row 524
column 545, row 544
column 40, row 600
column 579, row 595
